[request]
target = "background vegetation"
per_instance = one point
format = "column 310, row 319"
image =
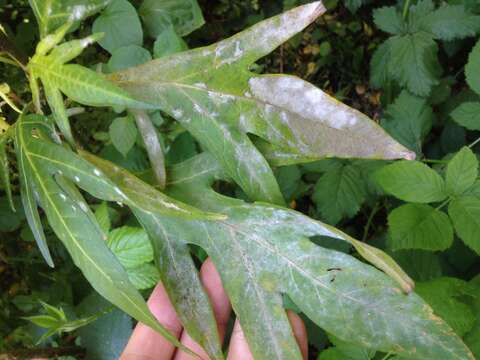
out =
column 406, row 65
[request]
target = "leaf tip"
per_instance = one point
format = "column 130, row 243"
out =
column 409, row 155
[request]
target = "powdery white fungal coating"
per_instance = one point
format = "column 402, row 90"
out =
column 77, row 179
column 83, row 206
column 303, row 99
column 97, row 172
column 177, row 113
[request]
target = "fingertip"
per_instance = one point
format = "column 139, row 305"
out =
column 146, row 343
column 218, row 296
column 299, row 331
column 239, row 349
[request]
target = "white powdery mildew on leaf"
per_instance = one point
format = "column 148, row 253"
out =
column 303, row 99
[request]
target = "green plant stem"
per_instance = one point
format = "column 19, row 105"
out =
column 366, row 229
column 474, row 143
column 406, row 7
column 387, row 356
column 432, row 161
column 442, row 205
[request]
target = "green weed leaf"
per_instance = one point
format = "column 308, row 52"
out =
column 123, row 134
column 120, row 24
column 144, row 276
column 128, row 56
column 412, row 181
column 167, row 43
column 184, row 15
column 418, row 226
column 213, row 95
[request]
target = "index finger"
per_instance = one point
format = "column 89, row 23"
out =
column 146, row 343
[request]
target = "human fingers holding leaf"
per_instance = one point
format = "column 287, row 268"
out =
column 145, row 343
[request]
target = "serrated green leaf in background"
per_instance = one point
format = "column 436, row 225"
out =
column 444, row 296
column 131, row 246
column 465, row 214
column 52, row 14
column 462, row 171
column 468, row 115
column 343, row 350
column 144, row 276
column 472, row 69
column 412, row 181
column 123, row 134
column 128, row 56
column 263, row 251
column 184, row 15
column 419, row 226
column 192, row 87
column 339, row 193
column 410, row 55
column 409, row 119
column 120, row 24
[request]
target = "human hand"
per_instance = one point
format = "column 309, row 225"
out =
column 146, row 343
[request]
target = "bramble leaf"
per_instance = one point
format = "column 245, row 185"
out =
column 472, row 69
column 465, row 214
column 184, row 15
column 418, row 226
column 263, row 251
column 444, row 296
column 131, row 246
column 410, row 57
column 339, row 193
column 412, row 181
column 299, row 121
column 409, row 119
column 462, row 171
column 468, row 115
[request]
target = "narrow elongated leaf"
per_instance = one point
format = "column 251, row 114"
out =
column 263, row 251
column 153, row 146
column 4, row 167
column 30, row 203
column 213, row 95
column 52, row 14
column 75, row 225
